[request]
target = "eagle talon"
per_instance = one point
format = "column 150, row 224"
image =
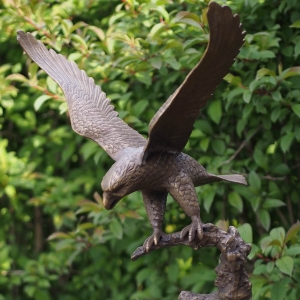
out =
column 195, row 228
column 153, row 240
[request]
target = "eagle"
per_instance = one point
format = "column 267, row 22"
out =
column 155, row 166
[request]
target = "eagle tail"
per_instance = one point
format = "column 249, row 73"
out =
column 237, row 178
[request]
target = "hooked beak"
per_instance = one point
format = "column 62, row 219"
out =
column 110, row 200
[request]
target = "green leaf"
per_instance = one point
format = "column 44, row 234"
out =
column 98, row 31
column 281, row 169
column 280, row 289
column 293, row 71
column 218, row 146
column 85, row 226
column 254, row 181
column 88, row 206
column 265, row 242
column 188, row 18
column 247, row 96
column 17, row 77
column 122, row 37
column 204, row 126
column 74, row 56
column 156, row 62
column 255, row 249
column 285, row 265
column 126, row 60
column 204, row 143
column 187, row 15
column 276, row 95
column 156, row 30
column 275, row 114
column 292, row 232
column 264, row 218
column 51, row 84
column 88, row 149
column 77, row 25
column 63, row 108
column 245, row 231
column 215, row 111
column 286, row 141
column 236, row 201
column 79, row 40
column 296, row 24
column 58, row 235
column 254, row 85
column 172, row 44
column 142, row 275
column 140, row 107
column 30, row 290
column 116, row 228
column 271, row 203
column 208, row 197
column 266, row 54
column 241, row 124
column 297, row 49
column 260, row 158
column 270, row 266
column 278, row 234
column 173, row 272
column 144, row 77
column 287, row 51
column 263, row 72
column 255, row 201
column 39, row 101
column 294, row 250
column 173, row 62
column 32, row 70
column 163, row 12
column 196, row 133
column 275, row 242
column 296, row 109
column 235, row 80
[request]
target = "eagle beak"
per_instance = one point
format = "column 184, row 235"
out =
column 110, row 200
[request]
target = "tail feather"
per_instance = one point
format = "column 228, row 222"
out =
column 237, row 178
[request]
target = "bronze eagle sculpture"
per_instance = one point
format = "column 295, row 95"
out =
column 155, row 166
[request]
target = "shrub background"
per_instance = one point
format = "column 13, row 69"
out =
column 140, row 52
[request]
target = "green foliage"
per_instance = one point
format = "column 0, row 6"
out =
column 56, row 239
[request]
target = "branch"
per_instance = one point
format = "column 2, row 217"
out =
column 243, row 144
column 268, row 177
column 232, row 279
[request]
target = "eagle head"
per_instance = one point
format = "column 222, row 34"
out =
column 119, row 181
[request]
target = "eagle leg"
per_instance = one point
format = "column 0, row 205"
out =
column 155, row 204
column 183, row 191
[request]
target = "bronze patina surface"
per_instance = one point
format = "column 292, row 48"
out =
column 155, row 166
column 232, row 279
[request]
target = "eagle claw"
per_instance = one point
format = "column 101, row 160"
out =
column 194, row 228
column 153, row 239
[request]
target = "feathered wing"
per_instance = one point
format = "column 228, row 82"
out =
column 171, row 126
column 91, row 113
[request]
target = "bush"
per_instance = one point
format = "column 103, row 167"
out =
column 140, row 52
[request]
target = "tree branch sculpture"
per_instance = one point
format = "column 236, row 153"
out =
column 232, row 279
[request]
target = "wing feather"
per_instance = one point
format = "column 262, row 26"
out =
column 91, row 113
column 171, row 126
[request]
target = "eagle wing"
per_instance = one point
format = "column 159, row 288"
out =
column 91, row 113
column 171, row 126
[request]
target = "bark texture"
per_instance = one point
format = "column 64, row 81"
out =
column 232, row 279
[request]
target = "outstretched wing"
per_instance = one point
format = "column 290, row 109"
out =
column 171, row 126
column 91, row 113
